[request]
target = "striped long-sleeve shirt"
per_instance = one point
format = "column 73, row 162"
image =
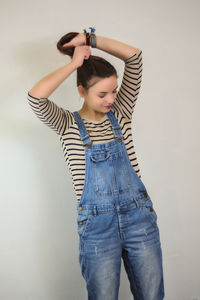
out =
column 62, row 121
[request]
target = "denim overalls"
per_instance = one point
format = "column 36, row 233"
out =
column 116, row 220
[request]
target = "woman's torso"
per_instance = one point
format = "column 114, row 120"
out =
column 99, row 132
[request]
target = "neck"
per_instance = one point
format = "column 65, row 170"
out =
column 91, row 114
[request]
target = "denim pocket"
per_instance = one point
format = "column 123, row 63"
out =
column 100, row 156
column 150, row 212
column 101, row 174
column 83, row 222
column 109, row 169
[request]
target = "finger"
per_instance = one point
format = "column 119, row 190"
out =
column 67, row 44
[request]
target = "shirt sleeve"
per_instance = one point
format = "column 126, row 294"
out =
column 51, row 114
column 130, row 86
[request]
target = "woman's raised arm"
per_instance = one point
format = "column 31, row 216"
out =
column 116, row 48
column 45, row 87
column 47, row 111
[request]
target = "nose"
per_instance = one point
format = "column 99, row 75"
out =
column 111, row 99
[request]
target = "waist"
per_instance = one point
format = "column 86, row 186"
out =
column 94, row 208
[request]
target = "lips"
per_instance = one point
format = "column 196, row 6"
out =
column 108, row 106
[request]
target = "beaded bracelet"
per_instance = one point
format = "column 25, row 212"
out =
column 87, row 37
column 90, row 38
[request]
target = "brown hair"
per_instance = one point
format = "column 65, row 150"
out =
column 94, row 66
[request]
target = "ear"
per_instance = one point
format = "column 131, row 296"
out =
column 81, row 91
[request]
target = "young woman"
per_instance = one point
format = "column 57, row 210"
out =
column 115, row 214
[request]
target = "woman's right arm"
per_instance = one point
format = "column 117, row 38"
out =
column 46, row 110
column 47, row 85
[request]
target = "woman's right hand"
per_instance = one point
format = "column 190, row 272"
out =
column 80, row 53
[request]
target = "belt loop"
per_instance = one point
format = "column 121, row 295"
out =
column 95, row 210
column 137, row 205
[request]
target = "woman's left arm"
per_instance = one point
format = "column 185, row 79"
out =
column 130, row 87
column 116, row 48
column 131, row 82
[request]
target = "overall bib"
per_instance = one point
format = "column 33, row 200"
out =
column 116, row 219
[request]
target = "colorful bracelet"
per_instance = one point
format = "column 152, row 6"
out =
column 90, row 38
column 85, row 33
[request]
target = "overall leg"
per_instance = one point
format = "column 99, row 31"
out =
column 100, row 258
column 142, row 255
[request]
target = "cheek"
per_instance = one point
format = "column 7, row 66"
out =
column 97, row 101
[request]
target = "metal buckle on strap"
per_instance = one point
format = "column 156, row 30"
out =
column 88, row 145
column 119, row 138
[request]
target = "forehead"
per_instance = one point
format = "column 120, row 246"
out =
column 106, row 84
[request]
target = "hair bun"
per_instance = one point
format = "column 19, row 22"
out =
column 66, row 39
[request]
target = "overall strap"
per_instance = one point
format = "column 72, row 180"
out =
column 83, row 132
column 115, row 126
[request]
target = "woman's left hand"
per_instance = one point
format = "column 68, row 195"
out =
column 78, row 40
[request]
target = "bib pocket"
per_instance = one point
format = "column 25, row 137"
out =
column 102, row 179
column 99, row 156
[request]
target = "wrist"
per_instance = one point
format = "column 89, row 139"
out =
column 90, row 38
column 93, row 40
column 83, row 38
column 73, row 65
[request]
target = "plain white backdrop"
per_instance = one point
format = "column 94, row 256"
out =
column 39, row 241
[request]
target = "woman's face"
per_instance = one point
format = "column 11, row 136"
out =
column 101, row 95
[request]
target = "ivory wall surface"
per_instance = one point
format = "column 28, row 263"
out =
column 39, row 242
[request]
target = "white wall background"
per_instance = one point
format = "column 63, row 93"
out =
column 39, row 242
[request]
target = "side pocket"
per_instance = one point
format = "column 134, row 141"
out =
column 150, row 212
column 83, row 223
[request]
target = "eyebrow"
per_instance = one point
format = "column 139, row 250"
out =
column 106, row 92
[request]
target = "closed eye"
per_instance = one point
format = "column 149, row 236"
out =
column 104, row 95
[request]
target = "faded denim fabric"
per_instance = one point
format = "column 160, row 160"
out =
column 116, row 220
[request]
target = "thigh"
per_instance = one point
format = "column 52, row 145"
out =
column 142, row 254
column 145, row 273
column 100, row 257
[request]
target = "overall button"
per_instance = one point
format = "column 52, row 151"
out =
column 151, row 209
column 145, row 195
column 81, row 223
column 81, row 208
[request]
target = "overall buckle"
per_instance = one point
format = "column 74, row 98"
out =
column 88, row 145
column 119, row 139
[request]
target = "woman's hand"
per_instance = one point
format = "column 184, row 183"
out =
column 78, row 40
column 80, row 53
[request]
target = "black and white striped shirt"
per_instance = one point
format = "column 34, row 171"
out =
column 62, row 121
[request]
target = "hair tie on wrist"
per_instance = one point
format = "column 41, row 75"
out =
column 87, row 38
column 93, row 37
column 90, row 38
column 85, row 34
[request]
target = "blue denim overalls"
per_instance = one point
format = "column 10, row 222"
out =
column 116, row 220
